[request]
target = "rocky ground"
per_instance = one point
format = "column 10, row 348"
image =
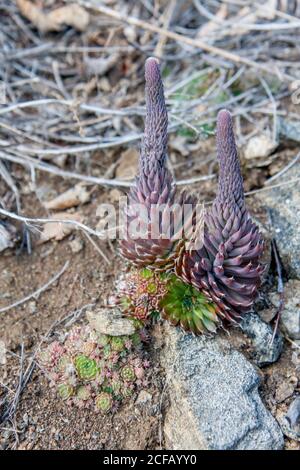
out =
column 234, row 390
column 239, row 390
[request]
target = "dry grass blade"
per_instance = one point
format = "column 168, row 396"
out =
column 197, row 43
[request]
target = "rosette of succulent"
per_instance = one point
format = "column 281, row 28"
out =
column 144, row 295
column 93, row 370
column 138, row 292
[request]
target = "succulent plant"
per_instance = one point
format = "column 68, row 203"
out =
column 185, row 306
column 86, row 368
column 128, row 374
column 154, row 189
column 227, row 267
column 104, row 402
column 117, row 343
column 105, row 375
column 64, row 363
column 83, row 392
column 138, row 293
column 126, row 391
column 116, row 384
column 179, row 302
column 65, row 391
column 51, row 355
column 103, row 340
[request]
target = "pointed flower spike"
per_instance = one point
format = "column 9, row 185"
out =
column 154, row 189
column 230, row 186
column 154, row 146
column 236, row 231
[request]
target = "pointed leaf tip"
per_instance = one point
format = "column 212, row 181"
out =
column 224, row 125
column 224, row 117
column 152, row 71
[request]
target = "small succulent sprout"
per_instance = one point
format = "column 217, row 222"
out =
column 138, row 324
column 116, row 386
column 126, row 391
column 117, row 343
column 185, row 306
column 86, row 368
column 65, row 391
column 136, row 339
column 128, row 374
column 146, row 273
column 74, row 339
column 83, row 392
column 139, row 292
column 88, row 347
column 139, row 372
column 45, row 358
column 65, row 363
column 103, row 340
column 104, row 402
column 107, row 350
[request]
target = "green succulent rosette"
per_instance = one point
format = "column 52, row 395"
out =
column 104, row 402
column 128, row 374
column 126, row 392
column 86, row 368
column 65, row 391
column 44, row 358
column 185, row 306
column 117, row 343
column 83, row 393
column 103, row 340
column 64, row 363
column 116, row 386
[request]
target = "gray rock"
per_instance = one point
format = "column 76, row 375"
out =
column 290, row 423
column 108, row 321
column 284, row 206
column 143, row 398
column 7, row 235
column 3, row 358
column 261, row 334
column 290, row 317
column 214, row 400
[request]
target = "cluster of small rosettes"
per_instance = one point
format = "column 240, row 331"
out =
column 92, row 370
column 138, row 293
column 144, row 294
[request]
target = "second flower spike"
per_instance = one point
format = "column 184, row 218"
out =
column 227, row 268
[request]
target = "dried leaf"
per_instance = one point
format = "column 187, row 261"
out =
column 127, row 166
column 7, row 236
column 259, row 146
column 71, row 198
column 69, row 15
column 59, row 230
column 100, row 65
